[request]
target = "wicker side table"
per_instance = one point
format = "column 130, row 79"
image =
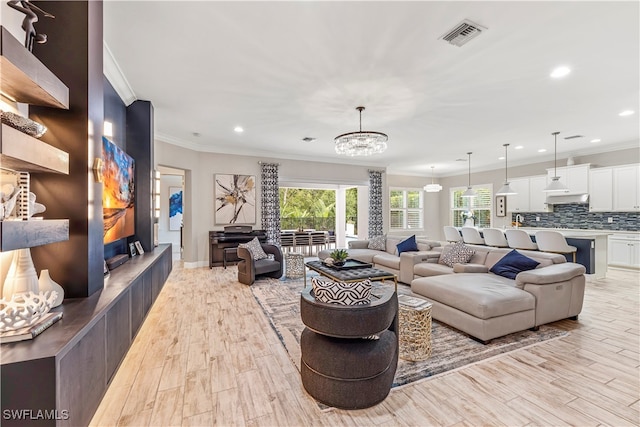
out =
column 294, row 265
column 415, row 328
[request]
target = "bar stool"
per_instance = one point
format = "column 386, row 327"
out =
column 495, row 237
column 520, row 239
column 554, row 241
column 451, row 234
column 472, row 236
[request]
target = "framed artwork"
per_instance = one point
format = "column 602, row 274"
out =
column 501, row 205
column 235, row 199
column 132, row 250
column 175, row 208
column 139, row 247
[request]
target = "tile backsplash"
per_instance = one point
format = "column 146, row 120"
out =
column 577, row 216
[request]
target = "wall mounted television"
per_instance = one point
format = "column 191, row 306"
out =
column 118, row 192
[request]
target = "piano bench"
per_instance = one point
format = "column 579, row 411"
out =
column 229, row 251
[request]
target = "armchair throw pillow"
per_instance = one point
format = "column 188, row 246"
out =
column 407, row 245
column 513, row 263
column 255, row 248
column 355, row 293
column 457, row 253
column 378, row 243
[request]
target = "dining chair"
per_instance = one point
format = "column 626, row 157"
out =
column 520, row 239
column 318, row 240
column 303, row 240
column 286, row 241
column 554, row 241
column 472, row 236
column 451, row 234
column 495, row 237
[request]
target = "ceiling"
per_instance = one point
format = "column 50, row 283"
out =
column 286, row 70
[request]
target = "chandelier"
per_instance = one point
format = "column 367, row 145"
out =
column 361, row 143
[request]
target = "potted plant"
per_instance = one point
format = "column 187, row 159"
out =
column 339, row 256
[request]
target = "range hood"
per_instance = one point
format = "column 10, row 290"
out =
column 565, row 199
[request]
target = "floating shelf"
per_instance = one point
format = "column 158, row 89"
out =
column 25, row 79
column 27, row 234
column 24, row 153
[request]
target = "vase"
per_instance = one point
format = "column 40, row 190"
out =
column 22, row 276
column 47, row 284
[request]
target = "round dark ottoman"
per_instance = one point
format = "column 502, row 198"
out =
column 339, row 366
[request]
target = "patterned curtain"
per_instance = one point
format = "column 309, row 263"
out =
column 270, row 203
column 375, row 204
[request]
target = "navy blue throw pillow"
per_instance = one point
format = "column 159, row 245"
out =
column 513, row 263
column 407, row 245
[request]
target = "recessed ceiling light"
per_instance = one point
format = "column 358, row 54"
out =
column 626, row 113
column 518, row 147
column 560, row 72
column 542, row 150
column 501, row 158
column 596, row 140
column 238, row 129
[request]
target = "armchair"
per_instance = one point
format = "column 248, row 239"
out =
column 248, row 268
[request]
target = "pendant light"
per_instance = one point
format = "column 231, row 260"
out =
column 469, row 192
column 432, row 188
column 555, row 185
column 506, row 190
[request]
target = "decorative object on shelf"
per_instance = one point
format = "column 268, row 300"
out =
column 361, row 143
column 132, row 249
column 506, row 189
column 469, row 192
column 8, row 197
column 339, row 256
column 30, row 18
column 34, row 207
column 24, row 309
column 22, row 276
column 23, row 124
column 555, row 185
column 139, row 247
column 235, row 199
column 46, row 283
column 175, row 208
column 433, row 187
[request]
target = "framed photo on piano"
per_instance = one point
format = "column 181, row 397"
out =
column 235, row 199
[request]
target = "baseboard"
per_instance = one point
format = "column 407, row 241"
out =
column 196, row 264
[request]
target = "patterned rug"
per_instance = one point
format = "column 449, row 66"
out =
column 450, row 348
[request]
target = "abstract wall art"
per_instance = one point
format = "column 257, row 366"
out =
column 175, row 208
column 235, row 199
column 118, row 204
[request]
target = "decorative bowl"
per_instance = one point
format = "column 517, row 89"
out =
column 23, row 124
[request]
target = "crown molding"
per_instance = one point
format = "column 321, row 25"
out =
column 116, row 77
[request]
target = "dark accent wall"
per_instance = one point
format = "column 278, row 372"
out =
column 140, row 147
column 577, row 216
column 73, row 53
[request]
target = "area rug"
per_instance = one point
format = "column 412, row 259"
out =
column 450, row 348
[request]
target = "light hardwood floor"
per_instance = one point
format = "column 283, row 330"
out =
column 206, row 355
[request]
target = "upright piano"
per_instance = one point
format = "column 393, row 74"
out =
column 230, row 237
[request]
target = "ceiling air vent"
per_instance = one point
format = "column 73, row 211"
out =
column 308, row 139
column 463, row 32
column 574, row 137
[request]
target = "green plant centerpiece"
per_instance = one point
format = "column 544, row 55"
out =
column 339, row 256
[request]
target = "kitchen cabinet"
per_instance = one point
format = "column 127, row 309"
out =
column 601, row 190
column 530, row 197
column 626, row 189
column 624, row 250
column 575, row 177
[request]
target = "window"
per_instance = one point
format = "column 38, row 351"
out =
column 477, row 208
column 406, row 211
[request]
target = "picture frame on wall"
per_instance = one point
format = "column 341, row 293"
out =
column 501, row 206
column 175, row 208
column 234, row 199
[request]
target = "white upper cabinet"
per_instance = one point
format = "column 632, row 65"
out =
column 537, row 198
column 530, row 197
column 601, row 190
column 626, row 188
column 576, row 177
column 519, row 202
